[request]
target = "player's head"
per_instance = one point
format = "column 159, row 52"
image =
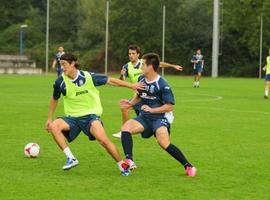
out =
column 68, row 63
column 61, row 49
column 199, row 51
column 150, row 63
column 133, row 53
column 269, row 51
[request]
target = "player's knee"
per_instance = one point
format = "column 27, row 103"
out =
column 55, row 128
column 162, row 138
column 126, row 127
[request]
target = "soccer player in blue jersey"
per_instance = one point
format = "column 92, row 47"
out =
column 82, row 109
column 56, row 62
column 156, row 114
column 266, row 68
column 198, row 63
column 131, row 72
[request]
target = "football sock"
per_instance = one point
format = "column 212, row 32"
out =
column 266, row 92
column 127, row 144
column 178, row 155
column 68, row 153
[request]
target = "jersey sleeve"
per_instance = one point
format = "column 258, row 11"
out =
column 167, row 95
column 193, row 58
column 57, row 88
column 99, row 79
column 126, row 68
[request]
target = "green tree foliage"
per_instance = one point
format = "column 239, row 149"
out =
column 80, row 27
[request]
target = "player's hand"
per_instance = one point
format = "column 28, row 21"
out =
column 48, row 125
column 123, row 72
column 125, row 104
column 138, row 86
column 264, row 68
column 146, row 108
column 178, row 67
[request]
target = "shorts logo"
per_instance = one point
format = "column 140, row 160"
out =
column 164, row 121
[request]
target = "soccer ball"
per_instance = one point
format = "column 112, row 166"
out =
column 31, row 150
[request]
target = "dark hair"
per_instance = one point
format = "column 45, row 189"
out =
column 152, row 59
column 70, row 58
column 134, row 47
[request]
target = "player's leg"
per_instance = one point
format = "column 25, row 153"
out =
column 57, row 128
column 266, row 92
column 125, row 117
column 132, row 126
column 163, row 140
column 97, row 130
column 195, row 80
column 199, row 78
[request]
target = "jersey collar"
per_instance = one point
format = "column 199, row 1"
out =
column 156, row 80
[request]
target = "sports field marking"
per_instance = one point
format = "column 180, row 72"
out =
column 211, row 98
column 231, row 110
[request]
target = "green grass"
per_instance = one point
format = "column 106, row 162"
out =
column 222, row 127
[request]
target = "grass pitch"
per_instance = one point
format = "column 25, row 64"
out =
column 221, row 127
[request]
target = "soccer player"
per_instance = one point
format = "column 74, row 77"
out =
column 267, row 75
column 198, row 63
column 82, row 108
column 131, row 72
column 156, row 114
column 56, row 61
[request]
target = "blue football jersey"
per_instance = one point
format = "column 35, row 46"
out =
column 155, row 94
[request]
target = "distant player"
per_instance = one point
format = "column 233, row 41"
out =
column 131, row 72
column 156, row 115
column 198, row 63
column 56, row 62
column 82, row 109
column 266, row 68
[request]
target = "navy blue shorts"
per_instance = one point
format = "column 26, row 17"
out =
column 267, row 77
column 198, row 70
column 151, row 125
column 78, row 124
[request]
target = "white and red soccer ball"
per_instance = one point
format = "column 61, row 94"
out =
column 31, row 150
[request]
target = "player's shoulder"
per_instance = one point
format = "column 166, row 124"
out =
column 125, row 66
column 59, row 81
column 162, row 82
column 141, row 78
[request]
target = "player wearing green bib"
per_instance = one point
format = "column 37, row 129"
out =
column 131, row 72
column 82, row 108
column 267, row 76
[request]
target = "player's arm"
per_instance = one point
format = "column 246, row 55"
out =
column 126, row 104
column 117, row 82
column 162, row 109
column 165, row 65
column 54, row 63
column 264, row 68
column 202, row 63
column 124, row 72
column 193, row 60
